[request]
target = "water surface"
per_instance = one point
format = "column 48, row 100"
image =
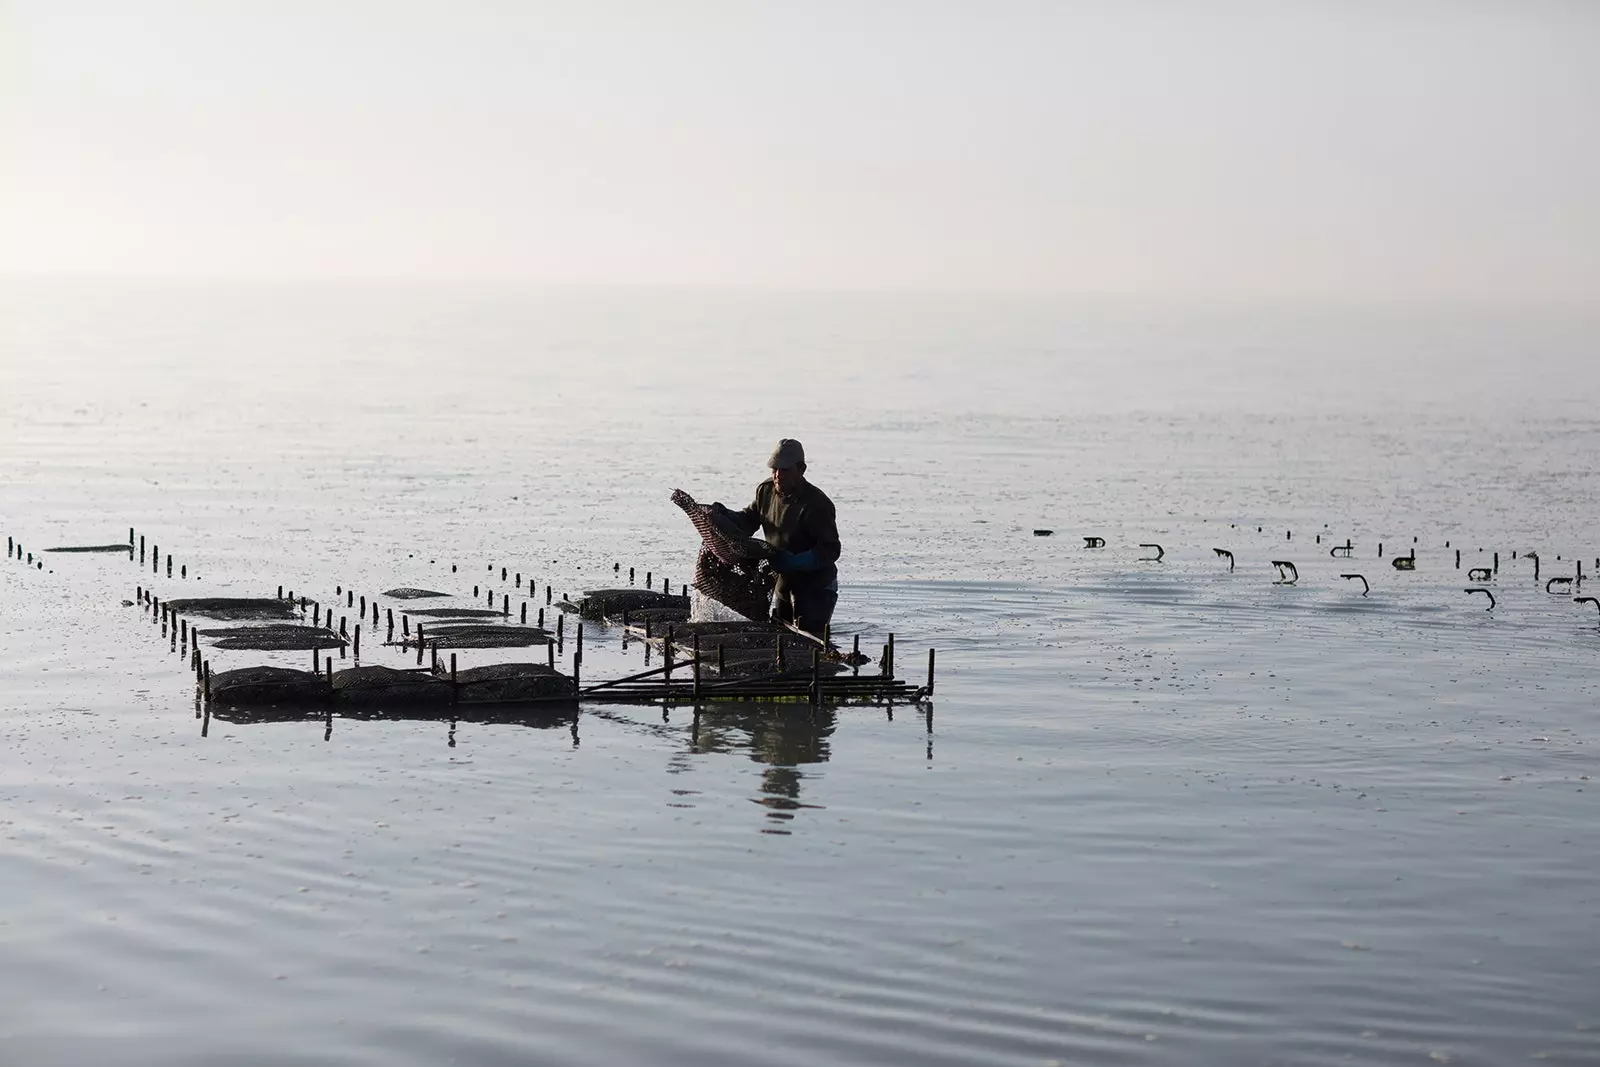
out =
column 1160, row 812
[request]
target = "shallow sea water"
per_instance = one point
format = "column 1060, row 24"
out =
column 1159, row 813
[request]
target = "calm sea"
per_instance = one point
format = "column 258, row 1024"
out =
column 1162, row 812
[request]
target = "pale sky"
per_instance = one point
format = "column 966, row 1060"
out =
column 1343, row 149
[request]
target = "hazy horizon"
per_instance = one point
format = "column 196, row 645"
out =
column 1431, row 151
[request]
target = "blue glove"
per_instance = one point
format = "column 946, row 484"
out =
column 794, row 562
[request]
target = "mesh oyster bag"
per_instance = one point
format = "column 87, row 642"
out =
column 731, row 567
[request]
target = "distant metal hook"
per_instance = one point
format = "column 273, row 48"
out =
column 1094, row 542
column 1405, row 563
column 1485, row 592
column 1478, row 574
column 1535, row 557
column 1155, row 558
column 1288, row 573
column 1223, row 553
column 1587, row 600
column 1345, row 549
column 1557, row 581
column 1365, row 588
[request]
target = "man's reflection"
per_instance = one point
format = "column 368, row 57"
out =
column 782, row 737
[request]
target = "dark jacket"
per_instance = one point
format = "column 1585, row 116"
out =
column 801, row 521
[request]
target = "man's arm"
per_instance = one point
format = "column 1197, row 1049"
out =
column 747, row 521
column 825, row 532
column 822, row 527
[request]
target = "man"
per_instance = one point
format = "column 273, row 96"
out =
column 797, row 519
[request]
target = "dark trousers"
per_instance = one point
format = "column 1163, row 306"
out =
column 808, row 605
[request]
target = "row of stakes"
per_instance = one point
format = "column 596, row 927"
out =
column 1288, row 574
column 179, row 635
column 665, row 671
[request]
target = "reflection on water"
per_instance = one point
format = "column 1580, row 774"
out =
column 540, row 716
column 781, row 737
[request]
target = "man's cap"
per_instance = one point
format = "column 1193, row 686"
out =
column 789, row 453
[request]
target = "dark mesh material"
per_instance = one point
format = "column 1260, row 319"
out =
column 604, row 603
column 387, row 686
column 234, row 607
column 91, row 548
column 454, row 613
column 269, row 685
column 474, row 635
column 279, row 638
column 729, row 568
column 511, row 682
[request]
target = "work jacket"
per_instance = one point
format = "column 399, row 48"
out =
column 801, row 521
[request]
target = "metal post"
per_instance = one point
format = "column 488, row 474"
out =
column 697, row 668
column 357, row 649
column 855, row 656
column 930, row 672
column 453, row 691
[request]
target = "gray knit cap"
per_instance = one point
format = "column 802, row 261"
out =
column 789, row 453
